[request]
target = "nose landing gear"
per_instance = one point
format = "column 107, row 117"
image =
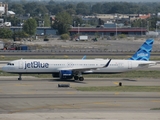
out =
column 20, row 78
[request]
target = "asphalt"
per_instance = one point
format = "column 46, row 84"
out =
column 42, row 99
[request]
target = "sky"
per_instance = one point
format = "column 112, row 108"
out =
column 119, row 0
column 113, row 0
column 99, row 0
column 124, row 0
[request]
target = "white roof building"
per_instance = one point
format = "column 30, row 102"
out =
column 10, row 13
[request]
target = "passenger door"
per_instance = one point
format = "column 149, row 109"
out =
column 20, row 64
column 129, row 64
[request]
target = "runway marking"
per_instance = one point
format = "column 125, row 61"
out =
column 23, row 84
column 105, row 103
column 62, row 106
column 28, row 92
column 155, row 100
column 116, row 93
column 65, row 106
column 99, row 103
column 70, row 93
column 116, row 83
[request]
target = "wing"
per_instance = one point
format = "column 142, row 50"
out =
column 84, row 69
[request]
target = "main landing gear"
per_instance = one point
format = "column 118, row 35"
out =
column 80, row 78
column 20, row 78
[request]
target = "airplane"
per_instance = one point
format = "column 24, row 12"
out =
column 75, row 68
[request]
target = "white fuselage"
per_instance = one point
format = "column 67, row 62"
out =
column 119, row 66
column 85, row 66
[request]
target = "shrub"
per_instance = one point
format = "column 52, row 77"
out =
column 64, row 36
column 5, row 33
column 122, row 36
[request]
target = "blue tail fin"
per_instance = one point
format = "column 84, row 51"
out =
column 143, row 53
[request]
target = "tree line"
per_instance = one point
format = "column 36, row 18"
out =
column 82, row 8
column 66, row 12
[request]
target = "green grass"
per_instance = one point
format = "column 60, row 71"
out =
column 155, row 109
column 121, row 88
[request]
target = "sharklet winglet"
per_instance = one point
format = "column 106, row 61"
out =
column 107, row 63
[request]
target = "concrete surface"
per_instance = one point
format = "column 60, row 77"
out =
column 42, row 99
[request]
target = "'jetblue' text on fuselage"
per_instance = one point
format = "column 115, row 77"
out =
column 36, row 64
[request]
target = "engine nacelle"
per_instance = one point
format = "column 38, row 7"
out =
column 66, row 74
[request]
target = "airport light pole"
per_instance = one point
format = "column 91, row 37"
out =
column 116, row 31
column 78, row 29
column 74, row 23
column 156, row 29
column 148, row 26
column 141, row 28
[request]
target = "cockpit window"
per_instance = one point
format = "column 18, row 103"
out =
column 10, row 63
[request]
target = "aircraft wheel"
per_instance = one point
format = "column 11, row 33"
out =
column 81, row 78
column 20, row 78
column 75, row 77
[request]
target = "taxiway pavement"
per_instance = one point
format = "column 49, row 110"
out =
column 42, row 99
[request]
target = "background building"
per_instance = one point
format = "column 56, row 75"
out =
column 108, row 31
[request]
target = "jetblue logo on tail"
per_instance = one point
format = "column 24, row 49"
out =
column 143, row 53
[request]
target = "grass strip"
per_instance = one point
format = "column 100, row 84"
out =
column 155, row 109
column 120, row 88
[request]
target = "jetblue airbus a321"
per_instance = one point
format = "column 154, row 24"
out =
column 75, row 68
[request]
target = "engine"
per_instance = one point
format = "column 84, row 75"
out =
column 66, row 74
